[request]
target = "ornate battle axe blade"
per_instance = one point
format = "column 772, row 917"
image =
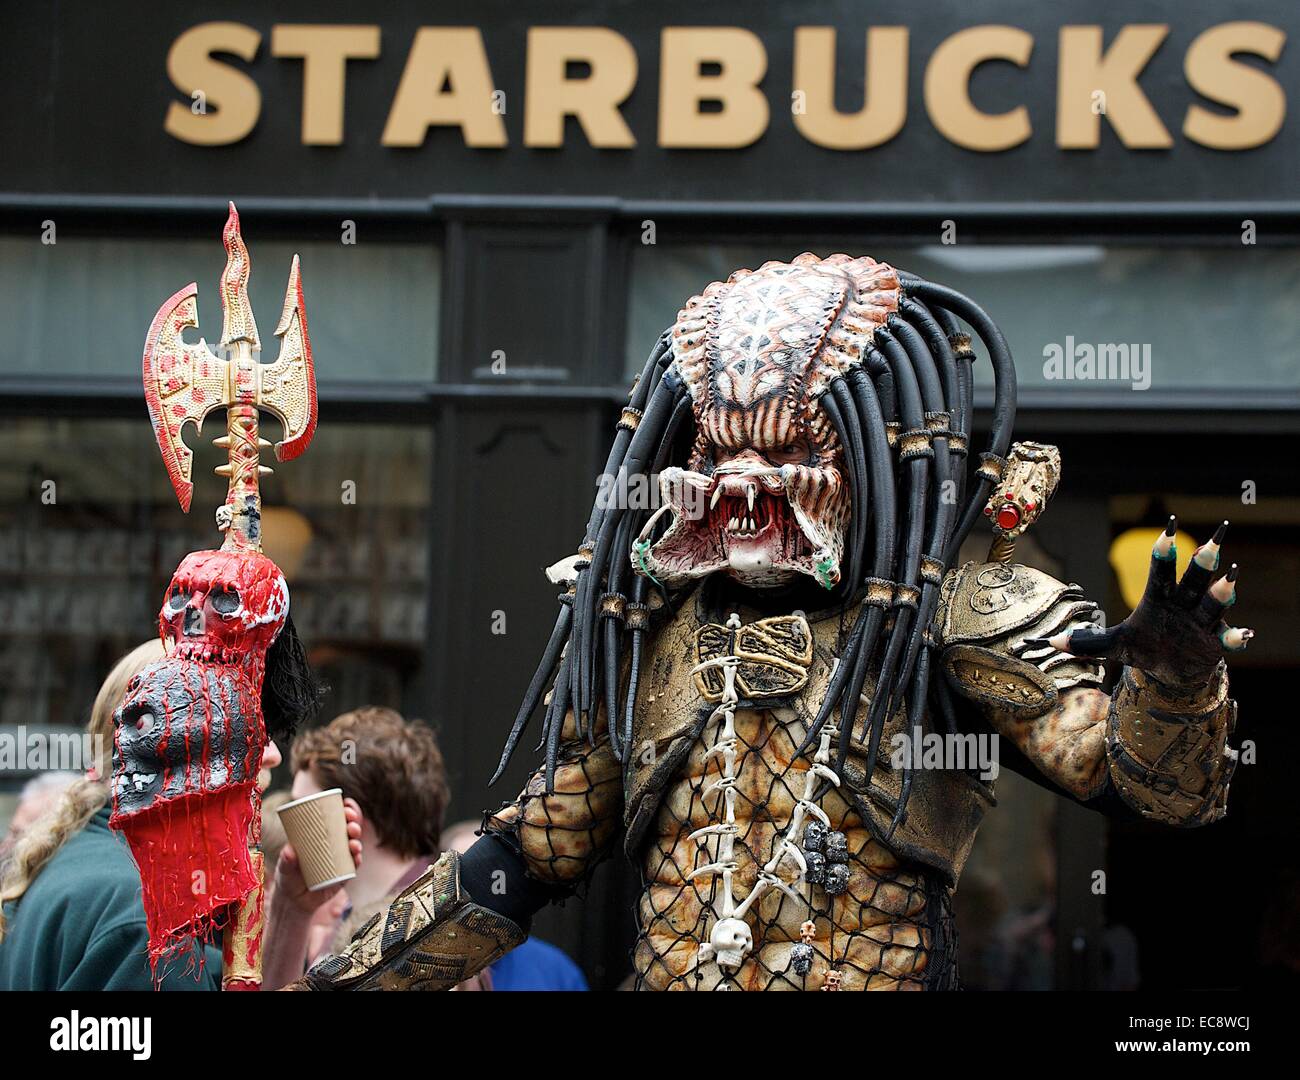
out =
column 183, row 383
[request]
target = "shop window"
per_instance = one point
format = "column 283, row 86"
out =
column 90, row 533
column 80, row 307
column 1154, row 320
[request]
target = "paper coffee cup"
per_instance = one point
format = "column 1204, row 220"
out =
column 318, row 832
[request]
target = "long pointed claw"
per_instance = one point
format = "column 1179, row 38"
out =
column 825, row 773
column 792, row 850
column 1207, row 555
column 1164, row 548
column 817, row 812
column 1236, row 638
column 1163, row 575
column 710, row 868
column 1224, row 590
column 1200, row 571
column 1085, row 641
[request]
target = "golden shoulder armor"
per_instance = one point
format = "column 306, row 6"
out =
column 985, row 601
column 988, row 615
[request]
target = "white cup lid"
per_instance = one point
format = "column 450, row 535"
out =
column 309, row 798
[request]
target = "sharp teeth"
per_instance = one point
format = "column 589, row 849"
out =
column 717, row 494
column 733, row 524
column 751, row 492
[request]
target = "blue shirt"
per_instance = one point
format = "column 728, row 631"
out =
column 535, row 965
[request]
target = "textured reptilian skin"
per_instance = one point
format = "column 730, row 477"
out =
column 879, row 934
column 563, row 835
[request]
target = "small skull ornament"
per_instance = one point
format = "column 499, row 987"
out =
column 837, row 878
column 814, row 836
column 816, row 872
column 837, row 847
column 801, row 958
column 731, row 940
column 225, row 607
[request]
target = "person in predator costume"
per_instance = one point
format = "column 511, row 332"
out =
column 730, row 674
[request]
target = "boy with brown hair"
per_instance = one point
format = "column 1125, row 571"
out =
column 393, row 770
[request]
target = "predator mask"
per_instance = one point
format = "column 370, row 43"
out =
column 764, row 495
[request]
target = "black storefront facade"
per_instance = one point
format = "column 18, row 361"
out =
column 486, row 256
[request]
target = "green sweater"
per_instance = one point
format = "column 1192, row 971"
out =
column 80, row 925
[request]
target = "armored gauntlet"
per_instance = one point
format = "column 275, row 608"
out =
column 1167, row 750
column 432, row 937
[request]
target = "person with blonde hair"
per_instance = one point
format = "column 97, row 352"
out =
column 71, row 917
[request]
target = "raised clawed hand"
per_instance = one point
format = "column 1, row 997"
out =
column 1177, row 633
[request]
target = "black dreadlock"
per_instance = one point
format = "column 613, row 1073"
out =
column 291, row 694
column 911, row 398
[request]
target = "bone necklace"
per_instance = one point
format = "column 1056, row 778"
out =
column 731, row 939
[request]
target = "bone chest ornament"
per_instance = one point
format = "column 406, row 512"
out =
column 190, row 733
column 783, row 644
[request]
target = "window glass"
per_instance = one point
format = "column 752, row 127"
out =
column 1161, row 318
column 82, row 306
column 90, row 533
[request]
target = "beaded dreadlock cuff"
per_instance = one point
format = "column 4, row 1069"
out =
column 906, row 596
column 936, row 423
column 880, row 592
column 636, row 616
column 991, row 467
column 914, row 444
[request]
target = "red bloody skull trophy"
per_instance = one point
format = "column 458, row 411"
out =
column 190, row 732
